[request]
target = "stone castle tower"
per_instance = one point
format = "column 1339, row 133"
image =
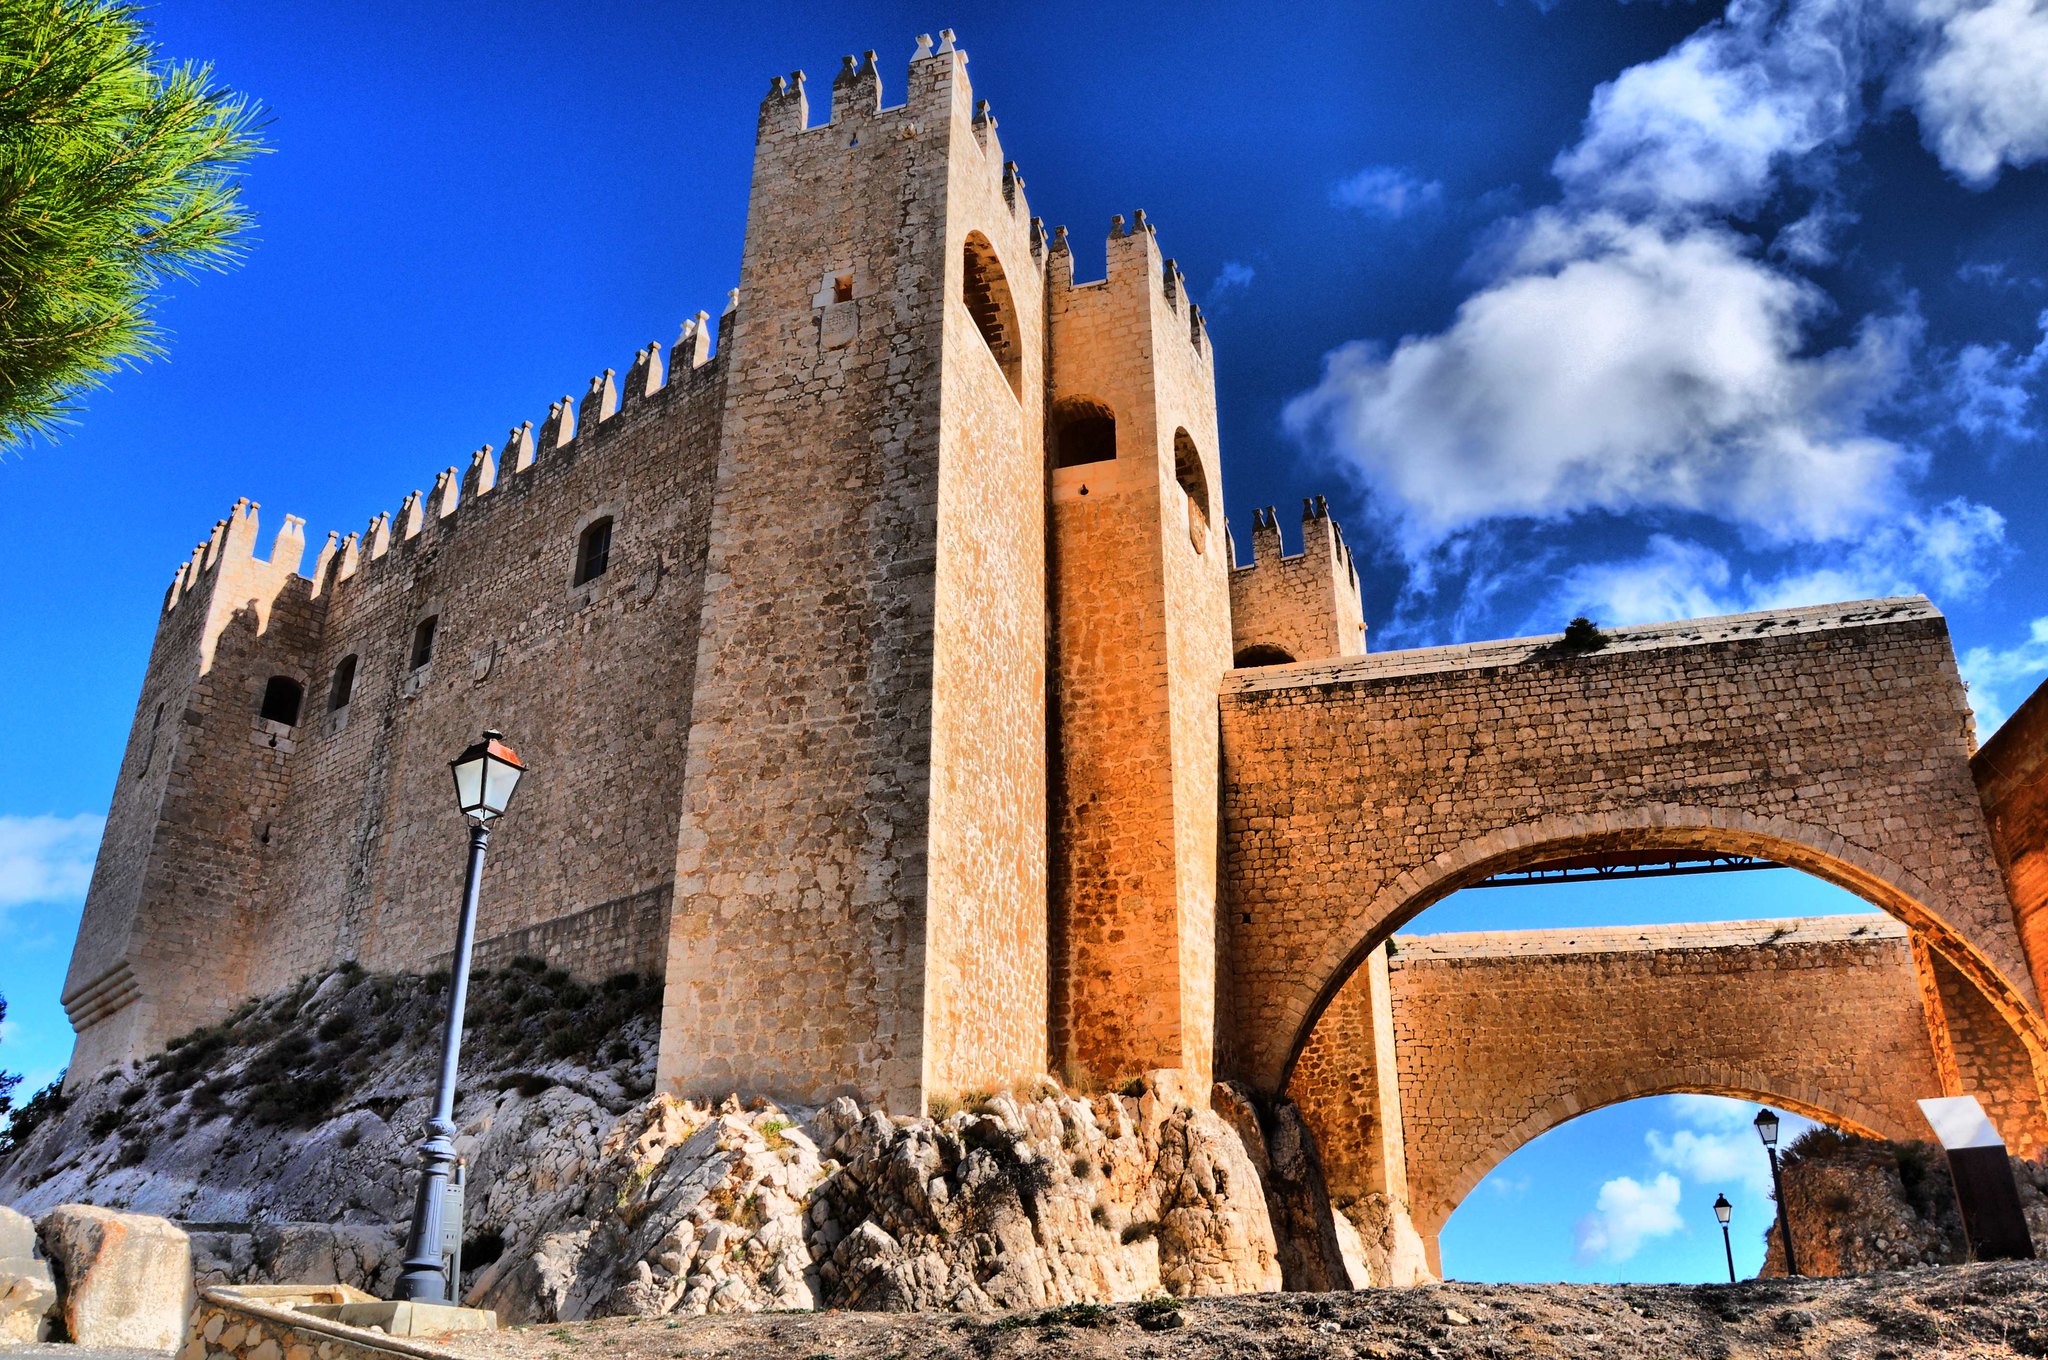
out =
column 865, row 646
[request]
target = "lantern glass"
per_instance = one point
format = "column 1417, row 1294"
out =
column 1723, row 1210
column 485, row 776
column 1767, row 1128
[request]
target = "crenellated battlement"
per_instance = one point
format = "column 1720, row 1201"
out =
column 691, row 361
column 1133, row 256
column 1300, row 607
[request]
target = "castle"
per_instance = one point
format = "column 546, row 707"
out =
column 890, row 686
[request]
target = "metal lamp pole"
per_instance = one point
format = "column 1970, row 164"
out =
column 1723, row 1210
column 1767, row 1130
column 485, row 776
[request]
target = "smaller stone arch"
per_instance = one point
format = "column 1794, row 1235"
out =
column 985, row 288
column 1262, row 654
column 1431, row 1214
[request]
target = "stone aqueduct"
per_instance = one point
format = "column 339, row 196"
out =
column 942, row 739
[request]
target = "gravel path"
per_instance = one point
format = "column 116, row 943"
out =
column 1951, row 1311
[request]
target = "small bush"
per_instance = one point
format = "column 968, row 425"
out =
column 334, row 1027
column 1140, row 1232
column 1582, row 634
column 46, row 1104
column 294, row 1101
column 132, row 1152
column 106, row 1122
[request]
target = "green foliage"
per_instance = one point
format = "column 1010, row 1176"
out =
column 8, row 1080
column 118, row 173
column 46, row 1104
column 1582, row 634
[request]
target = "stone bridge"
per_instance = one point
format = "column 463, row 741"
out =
column 1836, row 740
column 1500, row 1037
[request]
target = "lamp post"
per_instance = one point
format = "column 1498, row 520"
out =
column 1723, row 1211
column 485, row 776
column 1767, row 1130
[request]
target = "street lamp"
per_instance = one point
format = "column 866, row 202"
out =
column 1767, row 1130
column 1723, row 1211
column 485, row 776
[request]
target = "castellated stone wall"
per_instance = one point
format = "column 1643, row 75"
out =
column 846, row 922
column 1830, row 739
column 1502, row 1036
column 2012, row 776
column 1300, row 608
column 245, row 853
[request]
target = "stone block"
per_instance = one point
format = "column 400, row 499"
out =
column 28, row 1299
column 126, row 1278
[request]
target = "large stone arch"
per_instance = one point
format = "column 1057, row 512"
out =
column 1707, row 830
column 1834, row 739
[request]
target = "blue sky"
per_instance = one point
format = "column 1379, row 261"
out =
column 1639, row 310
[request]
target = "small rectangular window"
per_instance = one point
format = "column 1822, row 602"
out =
column 344, row 686
column 423, row 642
column 594, row 551
column 281, row 699
column 842, row 288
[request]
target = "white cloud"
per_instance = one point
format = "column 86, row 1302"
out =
column 1627, row 1214
column 1726, row 1159
column 1708, row 125
column 1950, row 552
column 47, row 859
column 1976, row 78
column 2000, row 678
column 1991, row 387
column 1387, row 192
column 1617, row 366
column 1234, row 274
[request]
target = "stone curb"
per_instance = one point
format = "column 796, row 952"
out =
column 356, row 1340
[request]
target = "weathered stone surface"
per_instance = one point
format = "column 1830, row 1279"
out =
column 28, row 1298
column 126, row 1278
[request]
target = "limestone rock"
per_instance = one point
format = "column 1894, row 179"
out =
column 28, row 1299
column 126, row 1278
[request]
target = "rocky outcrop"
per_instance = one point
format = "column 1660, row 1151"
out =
column 1858, row 1206
column 28, row 1288
column 1019, row 1202
column 284, row 1138
column 123, row 1279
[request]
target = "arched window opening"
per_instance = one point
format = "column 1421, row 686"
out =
column 1194, row 485
column 1083, row 431
column 1262, row 654
column 423, row 641
column 594, row 551
column 344, row 686
column 149, row 751
column 986, row 291
column 281, row 700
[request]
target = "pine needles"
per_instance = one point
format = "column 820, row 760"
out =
column 118, row 173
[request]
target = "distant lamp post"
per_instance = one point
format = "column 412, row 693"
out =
column 485, row 776
column 1767, row 1130
column 1723, row 1211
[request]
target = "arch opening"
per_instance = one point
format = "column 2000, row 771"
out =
column 282, row 697
column 1083, row 431
column 1262, row 654
column 1193, row 479
column 985, row 288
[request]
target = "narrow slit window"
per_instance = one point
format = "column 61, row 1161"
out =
column 344, row 686
column 423, row 641
column 594, row 551
column 281, row 700
column 842, row 288
column 149, row 751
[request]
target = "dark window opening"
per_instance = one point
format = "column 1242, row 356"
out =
column 1194, row 484
column 1083, row 431
column 842, row 288
column 281, row 700
column 149, row 751
column 423, row 642
column 986, row 291
column 594, row 551
column 1261, row 654
column 344, row 686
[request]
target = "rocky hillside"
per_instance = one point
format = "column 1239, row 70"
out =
column 283, row 1136
column 1858, row 1206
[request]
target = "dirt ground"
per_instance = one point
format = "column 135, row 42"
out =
column 1942, row 1311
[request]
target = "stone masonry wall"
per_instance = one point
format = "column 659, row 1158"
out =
column 1832, row 739
column 2012, row 777
column 1347, row 1085
column 1503, row 1035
